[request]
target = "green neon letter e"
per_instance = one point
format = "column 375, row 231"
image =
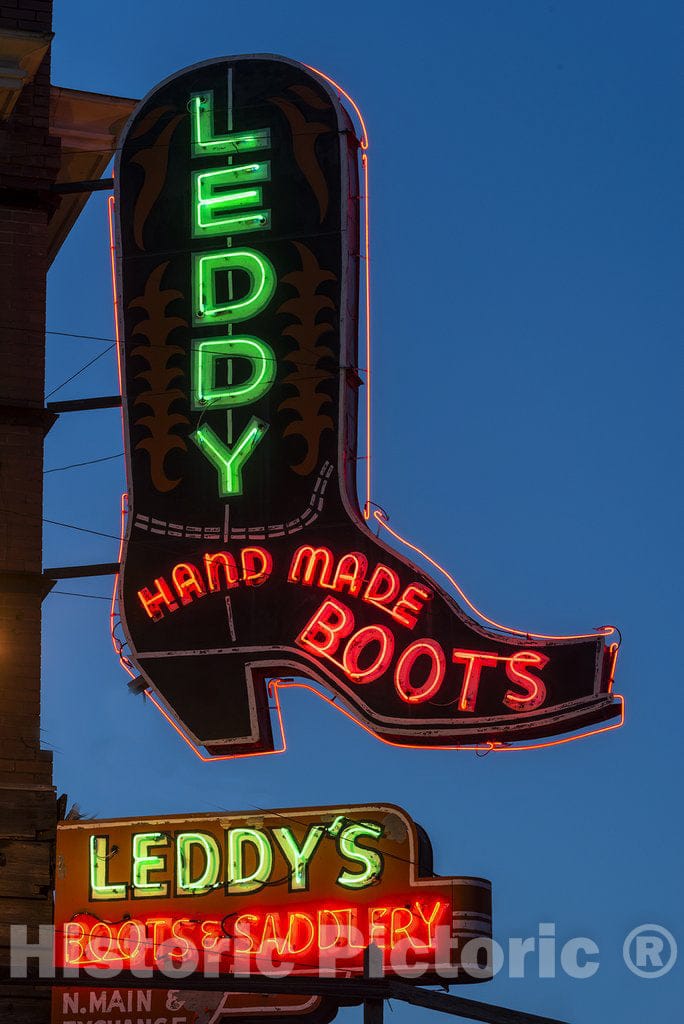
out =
column 229, row 461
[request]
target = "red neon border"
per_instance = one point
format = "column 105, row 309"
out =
column 365, row 256
column 275, row 685
column 380, row 517
column 602, row 631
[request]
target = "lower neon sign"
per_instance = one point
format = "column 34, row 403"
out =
column 306, row 890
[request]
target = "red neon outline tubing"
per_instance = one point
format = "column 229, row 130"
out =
column 380, row 518
column 378, row 515
column 277, row 684
column 366, row 257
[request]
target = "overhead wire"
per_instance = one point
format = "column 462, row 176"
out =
column 80, row 337
column 82, row 370
column 151, row 344
column 76, row 465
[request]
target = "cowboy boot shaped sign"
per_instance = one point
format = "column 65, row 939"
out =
column 246, row 556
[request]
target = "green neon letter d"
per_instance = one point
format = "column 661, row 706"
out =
column 206, row 355
column 262, row 284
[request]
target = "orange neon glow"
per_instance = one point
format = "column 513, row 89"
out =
column 115, row 299
column 152, row 600
column 355, row 648
column 374, row 593
column 213, row 564
column 405, row 932
column 257, row 566
column 297, row 921
column 350, row 572
column 158, row 940
column 313, row 566
column 276, row 685
column 74, row 947
column 601, row 632
column 410, row 604
column 113, row 617
column 187, row 581
column 402, row 673
column 331, row 624
column 614, row 650
column 432, row 919
column 344, row 929
column 318, row 560
column 160, row 925
column 101, row 942
column 476, row 747
column 366, row 258
column 474, row 662
column 378, row 514
column 322, row 634
column 272, row 933
column 125, row 944
column 118, row 646
column 535, row 691
column 206, row 758
column 570, row 739
column 83, row 946
column 343, row 92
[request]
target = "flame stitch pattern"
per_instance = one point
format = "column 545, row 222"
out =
column 154, row 163
column 304, row 137
column 160, row 396
column 307, row 357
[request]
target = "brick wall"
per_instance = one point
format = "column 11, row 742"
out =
column 29, row 159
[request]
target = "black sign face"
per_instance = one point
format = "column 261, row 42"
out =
column 246, row 557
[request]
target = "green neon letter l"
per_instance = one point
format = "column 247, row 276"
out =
column 205, row 142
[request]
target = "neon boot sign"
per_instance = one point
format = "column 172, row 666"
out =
column 246, row 556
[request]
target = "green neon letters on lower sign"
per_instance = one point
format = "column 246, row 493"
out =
column 208, row 848
column 229, row 460
column 100, row 889
column 144, row 862
column 207, row 267
column 239, row 859
column 205, row 142
column 206, row 355
column 238, row 881
column 370, row 859
column 297, row 856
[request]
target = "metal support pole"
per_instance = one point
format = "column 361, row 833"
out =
column 85, row 404
column 373, row 1009
column 78, row 572
column 345, row 989
column 93, row 185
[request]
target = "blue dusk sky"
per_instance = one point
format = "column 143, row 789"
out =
column 527, row 161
